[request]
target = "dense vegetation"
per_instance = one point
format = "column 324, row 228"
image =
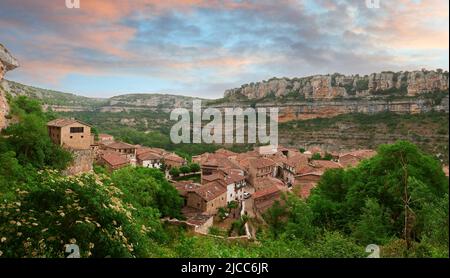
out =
column 398, row 199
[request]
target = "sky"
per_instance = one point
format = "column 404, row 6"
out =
column 203, row 47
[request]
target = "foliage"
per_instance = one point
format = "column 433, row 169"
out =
column 369, row 201
column 148, row 188
column 51, row 211
column 174, row 171
column 29, row 140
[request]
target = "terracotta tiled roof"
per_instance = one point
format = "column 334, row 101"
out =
column 266, row 191
column 212, row 177
column 186, row 186
column 232, row 178
column 326, row 164
column 220, row 161
column 114, row 159
column 261, row 163
column 120, row 145
column 361, row 154
column 149, row 156
column 64, row 122
column 225, row 152
column 174, row 157
column 266, row 182
column 297, row 162
column 211, row 190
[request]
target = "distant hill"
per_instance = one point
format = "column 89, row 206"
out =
column 67, row 102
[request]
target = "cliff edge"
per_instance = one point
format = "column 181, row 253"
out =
column 7, row 63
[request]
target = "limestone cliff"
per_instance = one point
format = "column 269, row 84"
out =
column 338, row 86
column 7, row 63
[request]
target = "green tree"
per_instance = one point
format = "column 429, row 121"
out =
column 316, row 156
column 195, row 167
column 185, row 169
column 373, row 224
column 174, row 172
column 147, row 187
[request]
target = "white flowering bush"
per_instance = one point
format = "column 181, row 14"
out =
column 52, row 211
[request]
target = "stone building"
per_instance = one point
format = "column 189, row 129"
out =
column 260, row 168
column 208, row 198
column 113, row 161
column 70, row 134
column 124, row 149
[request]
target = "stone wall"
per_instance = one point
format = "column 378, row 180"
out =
column 82, row 162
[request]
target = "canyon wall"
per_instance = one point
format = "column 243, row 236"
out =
column 7, row 63
column 296, row 110
column 331, row 86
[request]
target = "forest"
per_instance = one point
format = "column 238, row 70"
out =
column 398, row 200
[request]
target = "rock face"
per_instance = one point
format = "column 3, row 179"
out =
column 7, row 63
column 326, row 87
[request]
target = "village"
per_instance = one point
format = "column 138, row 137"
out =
column 230, row 185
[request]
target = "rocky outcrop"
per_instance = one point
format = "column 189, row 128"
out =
column 336, row 86
column 7, row 63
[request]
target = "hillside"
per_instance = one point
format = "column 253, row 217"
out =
column 67, row 102
column 333, row 124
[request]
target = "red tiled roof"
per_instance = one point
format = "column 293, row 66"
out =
column 114, row 159
column 297, row 162
column 64, row 122
column 174, row 157
column 266, row 182
column 266, row 191
column 211, row 191
column 261, row 163
column 232, row 178
column 212, row 177
column 120, row 145
column 225, row 152
column 326, row 164
column 186, row 186
column 361, row 154
column 149, row 156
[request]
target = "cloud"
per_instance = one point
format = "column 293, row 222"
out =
column 219, row 43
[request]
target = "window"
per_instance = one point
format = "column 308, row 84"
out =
column 71, row 137
column 76, row 129
column 82, row 136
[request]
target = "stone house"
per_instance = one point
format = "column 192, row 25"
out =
column 124, row 149
column 149, row 160
column 260, row 168
column 172, row 160
column 113, row 161
column 208, row 198
column 292, row 167
column 70, row 134
column 264, row 199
